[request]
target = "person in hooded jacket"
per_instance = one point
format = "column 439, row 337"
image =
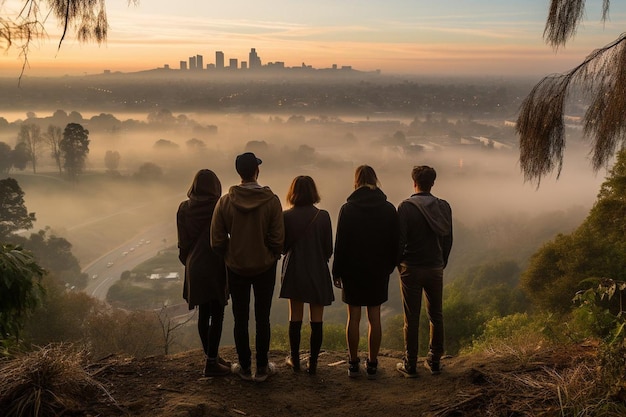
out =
column 205, row 273
column 425, row 245
column 247, row 229
column 365, row 255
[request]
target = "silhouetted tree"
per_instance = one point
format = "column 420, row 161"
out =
column 53, row 136
column 74, row 148
column 6, row 161
column 20, row 156
column 601, row 76
column 112, row 160
column 149, row 171
column 30, row 136
column 13, row 213
column 194, row 144
column 164, row 144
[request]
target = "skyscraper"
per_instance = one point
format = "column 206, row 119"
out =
column 253, row 59
column 219, row 60
column 192, row 63
column 199, row 62
column 233, row 63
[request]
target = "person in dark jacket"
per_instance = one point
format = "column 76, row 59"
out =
column 247, row 229
column 425, row 245
column 365, row 255
column 305, row 274
column 205, row 273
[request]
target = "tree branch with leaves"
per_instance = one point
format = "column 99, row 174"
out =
column 601, row 77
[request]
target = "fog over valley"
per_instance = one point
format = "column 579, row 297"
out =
column 120, row 211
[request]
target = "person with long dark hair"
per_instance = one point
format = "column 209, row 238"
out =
column 365, row 255
column 205, row 274
column 305, row 274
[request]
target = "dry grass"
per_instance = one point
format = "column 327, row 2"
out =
column 48, row 382
column 528, row 386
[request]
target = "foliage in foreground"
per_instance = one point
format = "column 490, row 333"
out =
column 46, row 382
column 20, row 289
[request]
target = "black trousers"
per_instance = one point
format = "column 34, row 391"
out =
column 262, row 286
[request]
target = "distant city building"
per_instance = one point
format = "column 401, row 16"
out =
column 199, row 62
column 192, row 63
column 166, row 66
column 232, row 63
column 335, row 66
column 183, row 65
column 210, row 66
column 253, row 59
column 219, row 60
column 277, row 64
column 244, row 65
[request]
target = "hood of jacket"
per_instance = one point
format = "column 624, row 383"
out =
column 205, row 187
column 249, row 198
column 366, row 197
column 436, row 211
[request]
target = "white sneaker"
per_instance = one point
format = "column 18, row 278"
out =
column 264, row 372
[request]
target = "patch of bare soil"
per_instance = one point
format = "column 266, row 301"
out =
column 475, row 385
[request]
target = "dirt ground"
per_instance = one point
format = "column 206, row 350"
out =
column 173, row 386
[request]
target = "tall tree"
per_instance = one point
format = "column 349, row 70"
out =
column 74, row 147
column 53, row 137
column 602, row 76
column 30, row 136
column 20, row 288
column 112, row 160
column 6, row 160
column 13, row 213
column 20, row 156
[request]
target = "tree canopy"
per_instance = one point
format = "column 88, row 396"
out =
column 13, row 213
column 600, row 77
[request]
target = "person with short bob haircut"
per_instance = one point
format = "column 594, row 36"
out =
column 305, row 274
column 365, row 255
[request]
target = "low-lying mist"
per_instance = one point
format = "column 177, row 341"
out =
column 480, row 177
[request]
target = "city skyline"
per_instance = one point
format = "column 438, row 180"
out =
column 455, row 37
column 254, row 61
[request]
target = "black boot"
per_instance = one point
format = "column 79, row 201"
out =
column 316, row 344
column 293, row 360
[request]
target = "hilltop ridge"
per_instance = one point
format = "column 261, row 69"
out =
column 470, row 385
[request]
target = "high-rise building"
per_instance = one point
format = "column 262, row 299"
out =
column 199, row 62
column 192, row 63
column 219, row 60
column 232, row 63
column 183, row 65
column 253, row 59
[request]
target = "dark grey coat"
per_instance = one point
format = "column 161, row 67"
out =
column 307, row 277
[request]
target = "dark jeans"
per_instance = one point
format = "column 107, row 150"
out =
column 263, row 287
column 413, row 282
column 210, row 320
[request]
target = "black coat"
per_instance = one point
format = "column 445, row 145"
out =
column 205, row 273
column 366, row 247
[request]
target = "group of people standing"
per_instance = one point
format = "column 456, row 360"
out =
column 231, row 244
